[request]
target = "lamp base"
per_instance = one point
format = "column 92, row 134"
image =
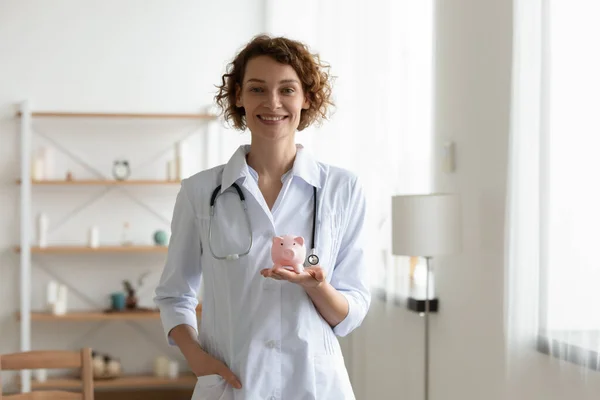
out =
column 418, row 305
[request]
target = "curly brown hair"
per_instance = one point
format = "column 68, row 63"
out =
column 313, row 73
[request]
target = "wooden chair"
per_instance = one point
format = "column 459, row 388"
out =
column 51, row 360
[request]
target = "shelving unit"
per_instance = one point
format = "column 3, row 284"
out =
column 102, row 182
column 131, row 381
column 62, row 114
column 85, row 316
column 26, row 250
column 97, row 250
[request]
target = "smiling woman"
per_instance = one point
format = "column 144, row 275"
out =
column 268, row 332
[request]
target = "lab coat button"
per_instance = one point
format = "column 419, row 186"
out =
column 272, row 344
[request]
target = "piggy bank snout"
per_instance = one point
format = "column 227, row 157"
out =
column 289, row 253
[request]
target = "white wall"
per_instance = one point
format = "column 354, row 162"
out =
column 135, row 56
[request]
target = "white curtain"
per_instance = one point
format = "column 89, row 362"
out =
column 553, row 213
column 381, row 53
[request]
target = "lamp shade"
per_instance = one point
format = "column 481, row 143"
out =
column 426, row 225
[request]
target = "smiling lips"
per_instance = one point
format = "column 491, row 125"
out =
column 272, row 119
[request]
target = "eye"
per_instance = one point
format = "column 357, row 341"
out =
column 255, row 89
column 282, row 244
column 288, row 90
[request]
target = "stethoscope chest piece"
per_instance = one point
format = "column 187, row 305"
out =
column 313, row 259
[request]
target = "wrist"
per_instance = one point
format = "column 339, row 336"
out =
column 192, row 351
column 319, row 287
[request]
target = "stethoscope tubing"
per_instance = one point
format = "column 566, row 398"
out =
column 312, row 258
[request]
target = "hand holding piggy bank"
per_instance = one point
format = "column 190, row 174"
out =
column 288, row 252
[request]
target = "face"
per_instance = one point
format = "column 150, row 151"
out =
column 272, row 96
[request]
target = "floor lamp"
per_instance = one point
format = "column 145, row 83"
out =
column 427, row 225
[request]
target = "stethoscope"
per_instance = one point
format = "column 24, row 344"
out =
column 312, row 258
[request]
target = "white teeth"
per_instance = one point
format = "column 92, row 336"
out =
column 271, row 118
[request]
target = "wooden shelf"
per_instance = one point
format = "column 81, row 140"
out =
column 102, row 182
column 80, row 316
column 58, row 114
column 132, row 381
column 90, row 250
column 93, row 316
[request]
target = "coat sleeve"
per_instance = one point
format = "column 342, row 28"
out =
column 177, row 290
column 349, row 275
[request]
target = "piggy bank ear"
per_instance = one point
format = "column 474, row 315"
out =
column 277, row 239
column 299, row 240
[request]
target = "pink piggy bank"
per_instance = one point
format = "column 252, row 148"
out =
column 288, row 252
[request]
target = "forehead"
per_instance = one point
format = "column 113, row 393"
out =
column 266, row 69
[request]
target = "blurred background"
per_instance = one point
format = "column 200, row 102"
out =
column 423, row 104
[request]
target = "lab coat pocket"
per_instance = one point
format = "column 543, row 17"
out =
column 210, row 387
column 331, row 378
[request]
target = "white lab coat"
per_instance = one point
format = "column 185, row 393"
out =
column 267, row 332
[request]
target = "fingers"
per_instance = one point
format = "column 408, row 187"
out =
column 285, row 274
column 229, row 377
column 268, row 273
column 277, row 274
column 316, row 273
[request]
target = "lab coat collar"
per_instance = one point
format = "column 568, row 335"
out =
column 305, row 167
column 236, row 168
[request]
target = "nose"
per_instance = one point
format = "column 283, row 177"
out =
column 273, row 101
column 289, row 253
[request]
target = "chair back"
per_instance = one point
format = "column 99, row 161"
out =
column 57, row 359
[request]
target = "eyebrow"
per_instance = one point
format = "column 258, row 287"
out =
column 282, row 81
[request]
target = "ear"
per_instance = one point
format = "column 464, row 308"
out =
column 299, row 240
column 306, row 104
column 277, row 239
column 238, row 96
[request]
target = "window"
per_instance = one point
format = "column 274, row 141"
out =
column 570, row 193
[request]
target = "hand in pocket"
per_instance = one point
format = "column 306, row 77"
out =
column 203, row 364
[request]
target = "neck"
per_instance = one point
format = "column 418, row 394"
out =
column 271, row 159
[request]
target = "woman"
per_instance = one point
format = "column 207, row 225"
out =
column 264, row 333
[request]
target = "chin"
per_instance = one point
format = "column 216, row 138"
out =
column 272, row 133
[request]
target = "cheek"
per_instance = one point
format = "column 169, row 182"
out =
column 249, row 107
column 297, row 107
column 249, row 114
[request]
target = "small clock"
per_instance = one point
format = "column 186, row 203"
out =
column 121, row 170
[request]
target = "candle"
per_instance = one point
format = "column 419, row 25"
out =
column 51, row 294
column 40, row 375
column 93, row 239
column 173, row 369
column 42, row 230
column 60, row 306
column 178, row 161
